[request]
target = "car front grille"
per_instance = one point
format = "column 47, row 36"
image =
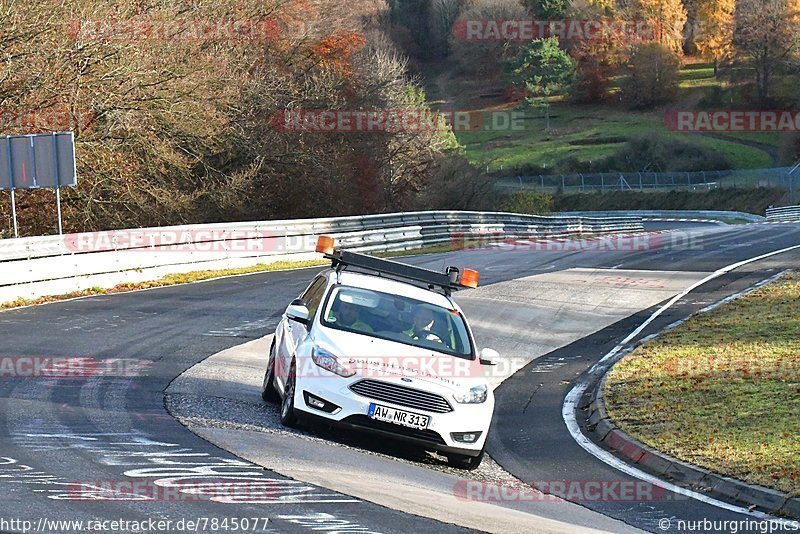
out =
column 402, row 396
column 365, row 422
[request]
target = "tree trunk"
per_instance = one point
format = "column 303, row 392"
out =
column 546, row 113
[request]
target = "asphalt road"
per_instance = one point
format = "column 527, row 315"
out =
column 67, row 446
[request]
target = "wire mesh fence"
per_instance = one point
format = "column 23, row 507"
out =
column 778, row 177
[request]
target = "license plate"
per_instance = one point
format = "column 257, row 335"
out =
column 398, row 417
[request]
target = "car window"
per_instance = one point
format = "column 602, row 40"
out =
column 313, row 295
column 398, row 318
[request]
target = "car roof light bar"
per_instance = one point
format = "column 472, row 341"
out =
column 448, row 280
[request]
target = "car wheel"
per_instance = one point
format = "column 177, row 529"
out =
column 268, row 391
column 462, row 461
column 288, row 414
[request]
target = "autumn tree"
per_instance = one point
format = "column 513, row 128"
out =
column 666, row 17
column 714, row 35
column 485, row 57
column 652, row 75
column 766, row 42
column 547, row 9
column 174, row 126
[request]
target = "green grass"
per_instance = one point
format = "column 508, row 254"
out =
column 768, row 138
column 571, row 125
column 697, row 76
column 740, row 156
column 722, row 391
column 568, row 124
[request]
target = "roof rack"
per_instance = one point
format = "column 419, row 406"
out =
column 448, row 281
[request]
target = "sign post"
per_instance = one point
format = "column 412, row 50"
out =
column 38, row 161
column 10, row 168
column 14, row 213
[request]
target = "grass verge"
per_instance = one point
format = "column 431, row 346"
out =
column 721, row 391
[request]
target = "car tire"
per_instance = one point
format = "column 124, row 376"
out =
column 468, row 463
column 268, row 391
column 288, row 413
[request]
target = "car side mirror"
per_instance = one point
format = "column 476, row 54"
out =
column 489, row 357
column 298, row 312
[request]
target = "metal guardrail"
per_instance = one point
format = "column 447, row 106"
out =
column 785, row 214
column 713, row 215
column 36, row 266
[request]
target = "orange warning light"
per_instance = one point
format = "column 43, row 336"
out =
column 325, row 244
column 469, row 278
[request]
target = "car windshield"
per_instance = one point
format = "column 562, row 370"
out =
column 397, row 318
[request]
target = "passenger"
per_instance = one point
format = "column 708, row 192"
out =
column 349, row 316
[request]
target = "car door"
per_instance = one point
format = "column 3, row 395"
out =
column 293, row 333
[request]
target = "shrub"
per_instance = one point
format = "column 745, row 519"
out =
column 528, row 202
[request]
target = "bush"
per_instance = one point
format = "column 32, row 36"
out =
column 528, row 203
column 733, row 199
column 659, row 154
column 454, row 184
column 790, row 147
column 646, row 153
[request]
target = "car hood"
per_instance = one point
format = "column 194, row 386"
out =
column 372, row 357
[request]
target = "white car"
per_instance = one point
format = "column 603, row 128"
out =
column 380, row 346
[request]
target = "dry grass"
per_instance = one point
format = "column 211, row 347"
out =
column 168, row 280
column 722, row 391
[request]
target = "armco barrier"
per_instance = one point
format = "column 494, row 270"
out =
column 787, row 214
column 37, row 266
column 711, row 215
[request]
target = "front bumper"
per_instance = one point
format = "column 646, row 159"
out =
column 351, row 412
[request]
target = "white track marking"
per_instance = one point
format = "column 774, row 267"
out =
column 574, row 396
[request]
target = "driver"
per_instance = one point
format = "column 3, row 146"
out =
column 423, row 323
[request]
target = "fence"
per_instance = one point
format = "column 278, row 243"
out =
column 778, row 177
column 47, row 265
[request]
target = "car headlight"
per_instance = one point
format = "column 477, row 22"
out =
column 475, row 395
column 329, row 362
